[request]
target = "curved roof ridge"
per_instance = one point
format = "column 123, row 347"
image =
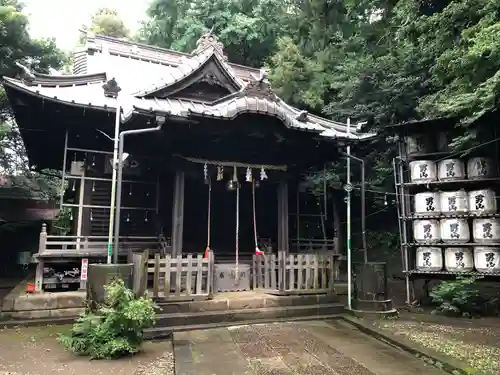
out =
column 191, row 65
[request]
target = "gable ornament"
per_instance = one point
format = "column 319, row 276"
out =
column 260, row 88
column 209, row 39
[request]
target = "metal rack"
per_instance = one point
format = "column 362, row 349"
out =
column 406, row 189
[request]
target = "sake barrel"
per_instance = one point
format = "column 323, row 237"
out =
column 426, row 231
column 418, row 144
column 453, row 202
column 427, row 203
column 482, row 201
column 423, row 171
column 480, row 167
column 429, row 259
column 487, row 259
column 458, row 259
column 451, row 169
column 486, row 230
column 454, row 230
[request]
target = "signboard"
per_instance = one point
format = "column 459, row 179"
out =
column 131, row 166
column 85, row 266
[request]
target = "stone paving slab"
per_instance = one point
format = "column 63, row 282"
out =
column 303, row 348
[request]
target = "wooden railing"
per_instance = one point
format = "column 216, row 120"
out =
column 185, row 277
column 312, row 273
column 88, row 246
column 309, row 245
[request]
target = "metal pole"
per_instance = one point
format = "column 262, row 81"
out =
column 122, row 135
column 325, row 197
column 349, row 260
column 64, row 170
column 113, row 181
column 363, row 205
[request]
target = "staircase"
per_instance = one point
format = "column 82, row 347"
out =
column 99, row 217
column 241, row 309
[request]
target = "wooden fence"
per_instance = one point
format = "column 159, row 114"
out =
column 185, row 277
column 312, row 273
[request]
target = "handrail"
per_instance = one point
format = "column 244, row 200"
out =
column 101, row 237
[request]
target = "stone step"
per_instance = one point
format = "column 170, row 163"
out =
column 158, row 333
column 248, row 301
column 236, row 316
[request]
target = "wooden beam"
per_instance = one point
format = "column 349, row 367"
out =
column 178, row 213
column 283, row 216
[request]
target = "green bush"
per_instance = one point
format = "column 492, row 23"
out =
column 115, row 329
column 456, row 297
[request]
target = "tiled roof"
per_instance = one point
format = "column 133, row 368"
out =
column 189, row 66
column 251, row 93
column 91, row 95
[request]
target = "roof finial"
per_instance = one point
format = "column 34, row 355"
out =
column 27, row 75
column 207, row 40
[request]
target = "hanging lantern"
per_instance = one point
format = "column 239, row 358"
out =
column 231, row 185
column 248, row 176
column 220, row 173
column 73, row 187
column 263, row 174
column 71, row 215
column 91, row 216
column 93, row 186
column 257, row 183
column 130, row 190
column 146, row 217
column 128, row 218
column 93, row 161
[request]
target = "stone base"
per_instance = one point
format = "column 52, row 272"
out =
column 21, row 305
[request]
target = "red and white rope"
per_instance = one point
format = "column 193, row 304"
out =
column 257, row 250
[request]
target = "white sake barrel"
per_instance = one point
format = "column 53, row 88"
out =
column 418, row 144
column 423, row 171
column 451, row 169
column 486, row 230
column 487, row 259
column 482, row 201
column 480, row 167
column 427, row 203
column 454, row 202
column 458, row 259
column 426, row 231
column 429, row 259
column 454, row 230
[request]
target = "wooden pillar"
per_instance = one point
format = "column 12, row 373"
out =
column 178, row 213
column 283, row 237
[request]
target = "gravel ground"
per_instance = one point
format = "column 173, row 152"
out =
column 477, row 346
column 35, row 351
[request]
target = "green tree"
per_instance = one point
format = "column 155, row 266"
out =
column 41, row 55
column 107, row 22
column 249, row 29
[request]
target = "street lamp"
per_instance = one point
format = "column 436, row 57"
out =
column 122, row 156
column 348, row 189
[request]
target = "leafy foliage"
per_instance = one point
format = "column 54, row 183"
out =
column 116, row 329
column 456, row 297
column 249, row 29
column 41, row 55
column 106, row 21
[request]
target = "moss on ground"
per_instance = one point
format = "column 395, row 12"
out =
column 454, row 342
